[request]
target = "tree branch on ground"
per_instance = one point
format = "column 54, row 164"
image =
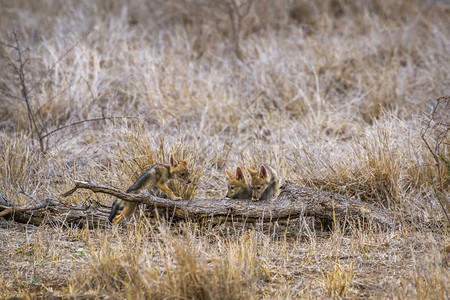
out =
column 293, row 202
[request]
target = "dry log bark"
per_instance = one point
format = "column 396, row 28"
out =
column 293, row 202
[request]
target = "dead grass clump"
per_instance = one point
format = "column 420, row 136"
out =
column 18, row 159
column 139, row 149
column 21, row 163
column 431, row 285
column 378, row 167
column 427, row 280
column 338, row 280
column 112, row 273
column 174, row 267
column 196, row 277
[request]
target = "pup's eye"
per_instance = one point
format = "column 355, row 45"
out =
column 182, row 174
column 258, row 187
column 232, row 187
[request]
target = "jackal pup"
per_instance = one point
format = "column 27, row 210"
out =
column 154, row 178
column 265, row 183
column 238, row 188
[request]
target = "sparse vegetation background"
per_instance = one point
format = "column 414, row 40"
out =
column 345, row 96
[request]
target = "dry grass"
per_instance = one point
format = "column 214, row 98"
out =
column 331, row 93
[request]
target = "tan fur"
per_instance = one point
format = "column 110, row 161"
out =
column 265, row 183
column 155, row 178
column 238, row 188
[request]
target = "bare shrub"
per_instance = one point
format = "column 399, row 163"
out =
column 44, row 119
column 436, row 127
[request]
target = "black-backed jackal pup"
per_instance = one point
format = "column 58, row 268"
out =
column 238, row 188
column 265, row 183
column 155, row 178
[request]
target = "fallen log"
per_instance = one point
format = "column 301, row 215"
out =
column 7, row 210
column 293, row 202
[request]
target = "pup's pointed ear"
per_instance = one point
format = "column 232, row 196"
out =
column 187, row 158
column 173, row 161
column 239, row 174
column 252, row 172
column 262, row 172
column 229, row 173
